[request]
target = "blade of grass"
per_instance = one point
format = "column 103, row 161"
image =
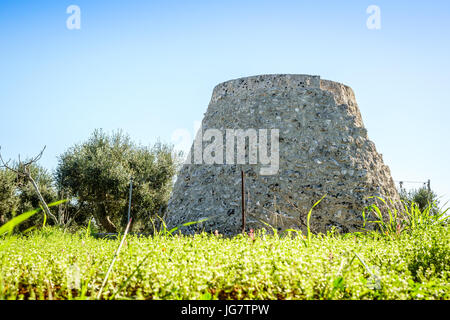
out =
column 275, row 232
column 186, row 224
column 113, row 260
column 308, row 218
column 7, row 227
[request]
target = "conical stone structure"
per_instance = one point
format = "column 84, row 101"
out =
column 310, row 141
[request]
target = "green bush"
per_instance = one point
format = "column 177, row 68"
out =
column 51, row 264
column 409, row 218
column 422, row 197
column 29, row 200
column 17, row 195
column 97, row 172
column 8, row 199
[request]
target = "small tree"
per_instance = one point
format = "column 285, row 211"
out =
column 32, row 185
column 422, row 197
column 98, row 171
column 29, row 199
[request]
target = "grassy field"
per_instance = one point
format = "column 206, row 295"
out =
column 51, row 264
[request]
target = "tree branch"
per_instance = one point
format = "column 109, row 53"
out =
column 24, row 171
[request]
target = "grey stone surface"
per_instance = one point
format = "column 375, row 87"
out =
column 323, row 149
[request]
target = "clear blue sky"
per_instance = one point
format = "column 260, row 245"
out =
column 149, row 67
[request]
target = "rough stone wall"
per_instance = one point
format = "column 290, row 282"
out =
column 323, row 149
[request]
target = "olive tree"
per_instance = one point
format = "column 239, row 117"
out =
column 98, row 171
column 423, row 197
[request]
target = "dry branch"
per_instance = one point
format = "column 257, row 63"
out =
column 23, row 170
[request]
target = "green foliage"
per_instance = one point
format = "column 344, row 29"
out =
column 98, row 173
column 9, row 226
column 28, row 199
column 309, row 217
column 422, row 197
column 8, row 199
column 51, row 264
column 410, row 218
column 17, row 194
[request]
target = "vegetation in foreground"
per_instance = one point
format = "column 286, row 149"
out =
column 52, row 264
column 406, row 258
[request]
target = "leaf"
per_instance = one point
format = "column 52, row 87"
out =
column 9, row 226
column 274, row 230
column 57, row 203
column 186, row 224
column 206, row 296
column 338, row 283
column 309, row 217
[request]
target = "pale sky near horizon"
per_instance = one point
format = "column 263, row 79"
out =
column 149, row 67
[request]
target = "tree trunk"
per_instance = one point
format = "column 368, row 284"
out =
column 105, row 220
